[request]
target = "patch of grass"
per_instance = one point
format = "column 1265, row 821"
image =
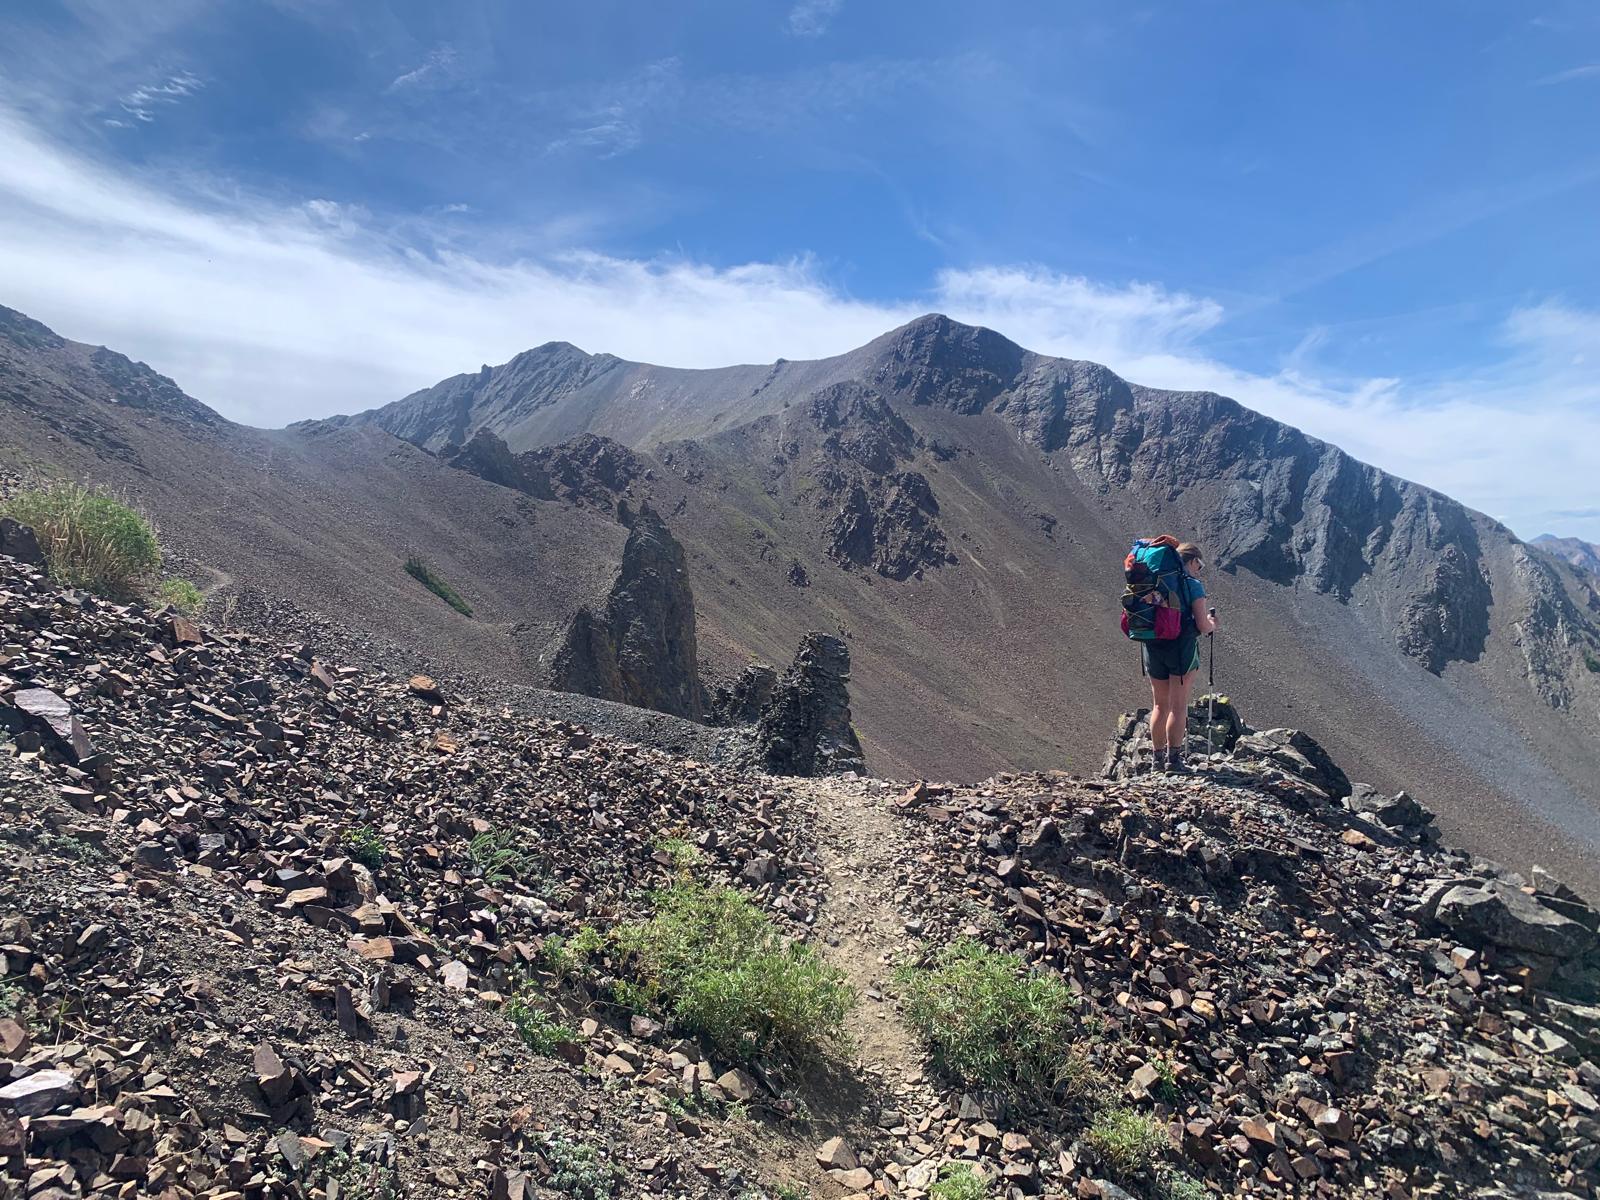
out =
column 539, row 1030
column 181, row 595
column 366, row 846
column 577, row 1169
column 790, row 1191
column 1127, row 1142
column 988, row 1019
column 435, row 583
column 719, row 965
column 497, row 857
column 958, row 1181
column 89, row 539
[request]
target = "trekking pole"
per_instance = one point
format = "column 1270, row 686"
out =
column 1211, row 686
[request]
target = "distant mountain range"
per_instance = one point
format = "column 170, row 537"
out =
column 1583, row 555
column 954, row 506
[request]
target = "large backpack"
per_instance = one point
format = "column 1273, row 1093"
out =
column 1156, row 597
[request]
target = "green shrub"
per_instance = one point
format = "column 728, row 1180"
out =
column 1591, row 662
column 577, row 1169
column 180, row 594
column 89, row 539
column 497, row 857
column 988, row 1019
column 1179, row 1185
column 958, row 1181
column 568, row 957
column 1126, row 1141
column 366, row 846
column 430, row 579
column 540, row 1031
column 719, row 965
column 684, row 854
column 10, row 999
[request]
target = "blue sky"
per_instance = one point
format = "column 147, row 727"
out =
column 1376, row 221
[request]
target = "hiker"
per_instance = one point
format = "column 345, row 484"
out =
column 1164, row 607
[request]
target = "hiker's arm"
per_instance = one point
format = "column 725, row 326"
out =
column 1203, row 620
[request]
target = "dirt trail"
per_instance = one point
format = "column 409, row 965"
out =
column 859, row 929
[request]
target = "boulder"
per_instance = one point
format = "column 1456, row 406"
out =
column 18, row 541
column 1503, row 916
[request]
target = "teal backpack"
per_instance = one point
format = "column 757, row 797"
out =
column 1156, row 597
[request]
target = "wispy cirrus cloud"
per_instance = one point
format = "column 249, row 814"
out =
column 143, row 102
column 440, row 65
column 273, row 312
column 1587, row 71
column 811, row 18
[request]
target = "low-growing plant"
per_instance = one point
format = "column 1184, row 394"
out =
column 568, row 957
column 719, row 965
column 75, row 848
column 10, row 999
column 89, row 539
column 958, row 1181
column 181, row 595
column 496, row 856
column 1174, row 1184
column 789, row 1191
column 360, row 1180
column 1591, row 662
column 540, row 1031
column 684, row 854
column 989, row 1019
column 424, row 574
column 1126, row 1141
column 577, row 1169
column 366, row 845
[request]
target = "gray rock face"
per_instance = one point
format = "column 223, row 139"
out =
column 487, row 457
column 805, row 729
column 642, row 650
column 741, row 702
column 1300, row 754
column 1506, row 916
column 18, row 541
column 49, row 713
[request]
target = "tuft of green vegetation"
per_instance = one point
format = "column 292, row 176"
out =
column 10, row 999
column 958, row 1181
column 988, row 1019
column 1180, row 1185
column 181, row 595
column 1127, row 1142
column 720, row 966
column 435, row 583
column 685, row 855
column 568, row 957
column 1591, row 662
column 89, row 539
column 366, row 846
column 75, row 848
column 789, row 1191
column 577, row 1169
column 497, row 857
column 360, row 1180
column 540, row 1031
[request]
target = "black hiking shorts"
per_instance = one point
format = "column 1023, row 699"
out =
column 1174, row 657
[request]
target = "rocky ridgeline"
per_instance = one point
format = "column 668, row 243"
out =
column 1314, row 997
column 261, row 911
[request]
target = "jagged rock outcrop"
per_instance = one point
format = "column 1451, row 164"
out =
column 487, row 457
column 1581, row 554
column 741, row 701
column 588, row 470
column 805, row 729
column 641, row 651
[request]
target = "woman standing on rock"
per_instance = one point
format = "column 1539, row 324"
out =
column 1173, row 665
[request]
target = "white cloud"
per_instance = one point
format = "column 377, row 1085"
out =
column 141, row 103
column 811, row 18
column 1572, row 73
column 274, row 312
column 437, row 67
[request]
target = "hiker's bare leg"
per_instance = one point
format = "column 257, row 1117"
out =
column 1159, row 691
column 1178, row 689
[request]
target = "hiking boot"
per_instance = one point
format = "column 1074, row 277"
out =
column 1158, row 762
column 1175, row 763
